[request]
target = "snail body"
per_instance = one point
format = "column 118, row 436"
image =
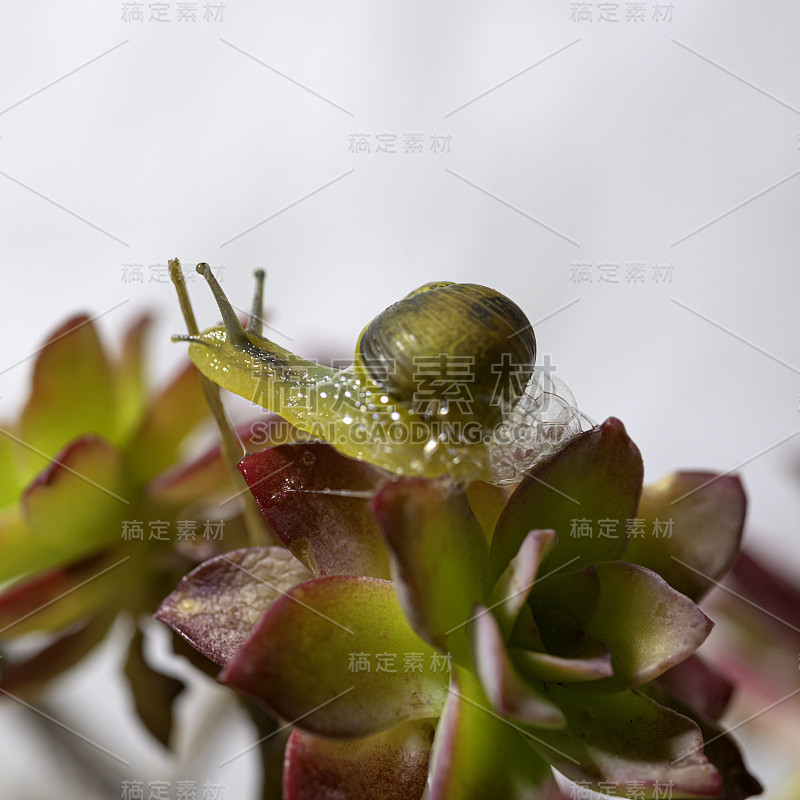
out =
column 443, row 382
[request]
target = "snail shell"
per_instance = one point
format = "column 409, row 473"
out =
column 457, row 337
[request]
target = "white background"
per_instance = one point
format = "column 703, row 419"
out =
column 568, row 145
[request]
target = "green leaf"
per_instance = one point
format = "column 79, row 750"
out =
column 509, row 694
column 724, row 754
column 487, row 502
column 478, row 755
column 57, row 598
column 73, row 508
column 313, row 498
column 597, row 477
column 624, row 738
column 217, row 605
column 12, row 458
column 565, row 651
column 153, row 692
column 700, row 516
column 720, row 748
column 209, row 475
column 647, row 625
column 593, row 664
column 438, row 557
column 510, row 593
column 130, row 380
column 321, row 657
column 391, row 765
column 72, row 391
column 169, row 418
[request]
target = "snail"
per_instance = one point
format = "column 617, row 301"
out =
column 442, row 382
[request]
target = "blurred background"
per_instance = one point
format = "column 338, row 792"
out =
column 627, row 172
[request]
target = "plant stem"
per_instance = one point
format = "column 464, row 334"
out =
column 257, row 530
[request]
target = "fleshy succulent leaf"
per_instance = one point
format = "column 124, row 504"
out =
column 153, row 691
column 217, row 605
column 525, row 632
column 12, row 483
column 31, row 674
column 772, row 592
column 690, row 530
column 597, row 477
column 477, row 755
column 202, row 478
column 487, row 502
column 209, row 475
column 719, row 747
column 647, row 625
column 438, row 557
column 510, row 695
column 698, row 686
column 312, row 497
column 72, row 391
column 59, row 597
column 131, row 378
column 724, row 754
column 510, row 593
column 169, row 418
column 624, row 738
column 593, row 665
column 335, row 655
column 71, row 509
column 391, row 765
column 558, row 608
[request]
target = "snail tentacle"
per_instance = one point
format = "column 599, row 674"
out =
column 256, row 322
column 236, row 333
column 187, row 337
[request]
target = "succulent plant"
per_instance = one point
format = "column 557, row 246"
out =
column 427, row 633
column 532, row 647
column 455, row 615
column 99, row 515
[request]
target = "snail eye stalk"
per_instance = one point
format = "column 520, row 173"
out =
column 236, row 333
column 256, row 322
